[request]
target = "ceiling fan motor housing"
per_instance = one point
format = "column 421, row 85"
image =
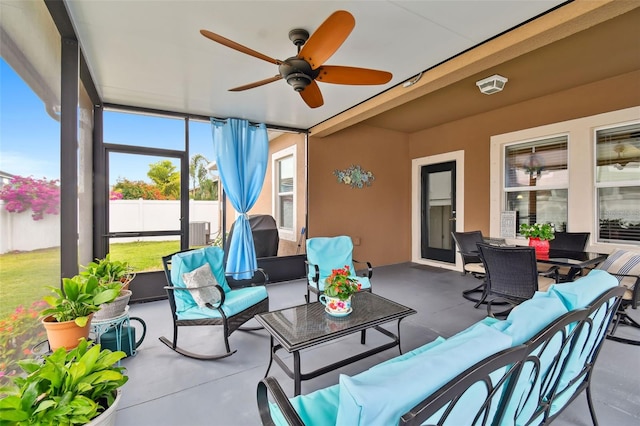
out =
column 297, row 72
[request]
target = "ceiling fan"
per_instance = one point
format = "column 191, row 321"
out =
column 303, row 70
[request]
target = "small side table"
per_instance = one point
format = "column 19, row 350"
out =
column 99, row 327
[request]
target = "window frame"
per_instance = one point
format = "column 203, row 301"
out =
column 582, row 205
column 276, row 158
column 547, row 187
column 610, row 184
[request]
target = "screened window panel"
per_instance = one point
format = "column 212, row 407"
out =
column 537, row 163
column 618, row 154
column 547, row 206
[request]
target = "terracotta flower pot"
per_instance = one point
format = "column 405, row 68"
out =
column 65, row 334
column 541, row 246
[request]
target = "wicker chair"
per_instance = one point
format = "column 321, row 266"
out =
column 567, row 241
column 625, row 266
column 471, row 263
column 209, row 301
column 512, row 275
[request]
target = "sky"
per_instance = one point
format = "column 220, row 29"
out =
column 29, row 137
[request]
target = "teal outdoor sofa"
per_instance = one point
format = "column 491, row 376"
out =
column 522, row 370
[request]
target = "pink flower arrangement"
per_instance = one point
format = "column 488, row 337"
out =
column 42, row 196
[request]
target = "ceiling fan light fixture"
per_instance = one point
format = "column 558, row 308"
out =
column 298, row 81
column 491, row 85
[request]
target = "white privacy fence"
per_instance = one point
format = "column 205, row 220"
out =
column 18, row 231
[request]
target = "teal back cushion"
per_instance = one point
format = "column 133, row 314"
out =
column 382, row 394
column 531, row 316
column 581, row 292
column 188, row 261
column 329, row 253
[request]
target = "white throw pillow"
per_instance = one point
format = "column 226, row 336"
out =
column 198, row 279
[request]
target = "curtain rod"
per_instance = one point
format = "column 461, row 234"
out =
column 194, row 116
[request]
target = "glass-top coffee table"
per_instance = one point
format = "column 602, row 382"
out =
column 304, row 326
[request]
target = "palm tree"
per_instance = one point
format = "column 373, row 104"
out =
column 203, row 188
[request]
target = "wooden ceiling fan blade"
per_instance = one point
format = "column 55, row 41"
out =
column 327, row 38
column 312, row 95
column 237, row 46
column 256, row 84
column 351, row 75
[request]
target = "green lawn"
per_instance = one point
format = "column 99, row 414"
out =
column 24, row 276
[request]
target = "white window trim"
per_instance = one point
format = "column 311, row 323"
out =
column 581, row 213
column 284, row 234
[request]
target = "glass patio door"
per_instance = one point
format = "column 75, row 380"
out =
column 438, row 211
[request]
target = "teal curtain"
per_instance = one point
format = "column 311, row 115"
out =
column 241, row 151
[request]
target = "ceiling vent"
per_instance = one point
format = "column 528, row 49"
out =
column 491, row 85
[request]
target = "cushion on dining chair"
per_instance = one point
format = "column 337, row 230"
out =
column 623, row 262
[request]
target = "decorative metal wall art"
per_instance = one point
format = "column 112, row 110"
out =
column 354, row 176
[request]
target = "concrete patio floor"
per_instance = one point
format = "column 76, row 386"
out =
column 166, row 388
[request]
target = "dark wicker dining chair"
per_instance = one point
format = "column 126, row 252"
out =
column 471, row 263
column 568, row 241
column 512, row 275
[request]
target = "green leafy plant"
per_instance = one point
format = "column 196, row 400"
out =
column 79, row 297
column 341, row 284
column 544, row 231
column 65, row 388
column 109, row 271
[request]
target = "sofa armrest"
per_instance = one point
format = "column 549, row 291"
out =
column 271, row 385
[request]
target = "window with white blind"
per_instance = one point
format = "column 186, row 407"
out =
column 536, row 181
column 284, row 184
column 617, row 183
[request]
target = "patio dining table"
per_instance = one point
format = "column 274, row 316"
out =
column 575, row 260
column 572, row 259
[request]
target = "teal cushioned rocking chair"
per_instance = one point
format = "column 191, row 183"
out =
column 230, row 308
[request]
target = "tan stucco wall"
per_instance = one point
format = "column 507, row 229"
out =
column 264, row 203
column 379, row 215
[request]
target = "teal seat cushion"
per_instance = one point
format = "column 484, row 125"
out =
column 235, row 301
column 319, row 408
column 581, row 292
column 409, row 382
column 531, row 316
column 186, row 262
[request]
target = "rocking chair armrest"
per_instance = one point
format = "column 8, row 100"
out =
column 219, row 289
column 316, row 269
column 369, row 271
column 271, row 385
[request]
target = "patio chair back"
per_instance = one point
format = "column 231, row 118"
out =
column 511, row 273
column 569, row 241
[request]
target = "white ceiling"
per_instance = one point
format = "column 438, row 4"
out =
column 150, row 54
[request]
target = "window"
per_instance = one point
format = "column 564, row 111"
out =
column 284, row 203
column 536, row 181
column 617, row 182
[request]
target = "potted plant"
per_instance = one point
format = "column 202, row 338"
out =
column 109, row 271
column 68, row 317
column 539, row 235
column 111, row 274
column 81, row 386
column 338, row 289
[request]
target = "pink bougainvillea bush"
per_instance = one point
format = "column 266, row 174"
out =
column 42, row 196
